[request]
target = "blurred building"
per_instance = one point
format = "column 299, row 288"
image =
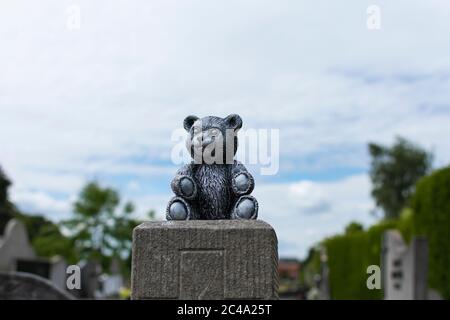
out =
column 289, row 269
column 289, row 279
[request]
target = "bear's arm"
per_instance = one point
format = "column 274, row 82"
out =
column 242, row 181
column 183, row 184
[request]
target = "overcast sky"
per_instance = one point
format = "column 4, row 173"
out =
column 101, row 101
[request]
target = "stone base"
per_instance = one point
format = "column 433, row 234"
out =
column 204, row 259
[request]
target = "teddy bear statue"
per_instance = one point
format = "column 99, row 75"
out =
column 214, row 185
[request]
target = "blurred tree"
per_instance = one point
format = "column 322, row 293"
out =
column 44, row 235
column 6, row 207
column 99, row 228
column 431, row 218
column 128, row 232
column 151, row 214
column 353, row 227
column 33, row 223
column 47, row 239
column 394, row 172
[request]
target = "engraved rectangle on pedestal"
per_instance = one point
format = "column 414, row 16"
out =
column 202, row 274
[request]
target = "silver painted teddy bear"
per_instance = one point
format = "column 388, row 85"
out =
column 213, row 185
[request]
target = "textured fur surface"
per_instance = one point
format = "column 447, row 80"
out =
column 214, row 191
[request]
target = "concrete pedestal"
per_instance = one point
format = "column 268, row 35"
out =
column 205, row 259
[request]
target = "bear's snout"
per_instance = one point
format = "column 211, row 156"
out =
column 205, row 138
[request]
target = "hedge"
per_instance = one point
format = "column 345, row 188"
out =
column 349, row 255
column 431, row 205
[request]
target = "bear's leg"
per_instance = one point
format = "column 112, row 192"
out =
column 179, row 209
column 246, row 207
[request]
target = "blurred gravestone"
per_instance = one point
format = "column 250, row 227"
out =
column 17, row 254
column 27, row 286
column 205, row 259
column 324, row 277
column 111, row 283
column 90, row 279
column 404, row 267
column 38, row 267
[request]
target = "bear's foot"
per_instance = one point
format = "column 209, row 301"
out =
column 242, row 183
column 184, row 186
column 178, row 209
column 246, row 208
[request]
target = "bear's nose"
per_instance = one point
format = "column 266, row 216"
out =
column 204, row 139
column 207, row 141
column 204, row 135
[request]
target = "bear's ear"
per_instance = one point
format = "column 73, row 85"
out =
column 234, row 121
column 189, row 121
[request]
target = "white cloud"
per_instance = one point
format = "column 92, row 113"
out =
column 308, row 197
column 289, row 208
column 42, row 202
column 151, row 202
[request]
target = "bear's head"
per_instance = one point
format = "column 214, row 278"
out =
column 212, row 139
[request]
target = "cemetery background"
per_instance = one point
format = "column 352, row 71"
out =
column 334, row 269
column 426, row 215
column 92, row 91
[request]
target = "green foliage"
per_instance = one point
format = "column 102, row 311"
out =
column 431, row 205
column 99, row 229
column 46, row 238
column 44, row 235
column 394, row 173
column 405, row 224
column 354, row 227
column 6, row 207
column 347, row 262
column 35, row 224
column 349, row 255
column 310, row 267
column 151, row 214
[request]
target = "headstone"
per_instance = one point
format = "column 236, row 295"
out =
column 14, row 246
column 36, row 266
column 58, row 272
column 404, row 268
column 90, row 279
column 324, row 284
column 111, row 283
column 110, row 286
column 17, row 254
column 204, row 259
column 27, row 286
